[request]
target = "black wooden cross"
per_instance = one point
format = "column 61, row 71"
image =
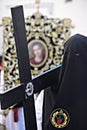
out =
column 25, row 90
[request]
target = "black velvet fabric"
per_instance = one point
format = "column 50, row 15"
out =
column 72, row 92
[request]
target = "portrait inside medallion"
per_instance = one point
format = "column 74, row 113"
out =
column 38, row 53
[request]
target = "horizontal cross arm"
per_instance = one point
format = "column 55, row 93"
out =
column 47, row 79
column 12, row 96
column 18, row 93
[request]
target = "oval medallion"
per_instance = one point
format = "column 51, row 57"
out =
column 59, row 118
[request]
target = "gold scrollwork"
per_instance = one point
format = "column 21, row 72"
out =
column 50, row 33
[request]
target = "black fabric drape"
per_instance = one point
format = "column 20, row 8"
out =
column 72, row 92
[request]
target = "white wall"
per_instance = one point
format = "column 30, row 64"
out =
column 76, row 10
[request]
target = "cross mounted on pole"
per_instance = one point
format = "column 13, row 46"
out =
column 24, row 92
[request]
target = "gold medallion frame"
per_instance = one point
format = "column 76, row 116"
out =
column 45, row 52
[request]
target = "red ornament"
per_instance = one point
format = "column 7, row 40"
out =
column 58, row 121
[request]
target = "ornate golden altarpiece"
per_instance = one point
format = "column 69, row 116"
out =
column 49, row 33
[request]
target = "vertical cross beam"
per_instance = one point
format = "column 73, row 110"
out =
column 24, row 65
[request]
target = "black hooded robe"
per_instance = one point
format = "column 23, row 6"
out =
column 69, row 107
